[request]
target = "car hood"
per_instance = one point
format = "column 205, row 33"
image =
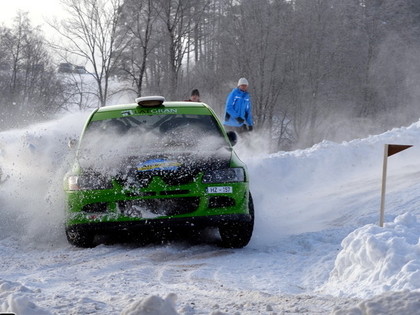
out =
column 172, row 168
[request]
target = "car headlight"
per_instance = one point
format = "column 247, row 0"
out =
column 224, row 175
column 89, row 181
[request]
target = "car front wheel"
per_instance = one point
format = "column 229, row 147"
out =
column 80, row 239
column 238, row 234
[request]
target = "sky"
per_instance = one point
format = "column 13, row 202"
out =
column 38, row 10
column 316, row 247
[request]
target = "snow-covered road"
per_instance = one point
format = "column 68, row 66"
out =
column 307, row 202
column 204, row 279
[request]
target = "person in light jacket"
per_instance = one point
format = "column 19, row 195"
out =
column 238, row 111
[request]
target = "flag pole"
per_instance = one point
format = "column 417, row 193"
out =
column 389, row 149
column 384, row 171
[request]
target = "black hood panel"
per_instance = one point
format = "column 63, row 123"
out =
column 173, row 169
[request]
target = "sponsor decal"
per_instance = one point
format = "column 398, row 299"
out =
column 158, row 111
column 158, row 165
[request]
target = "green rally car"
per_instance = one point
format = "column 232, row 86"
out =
column 157, row 165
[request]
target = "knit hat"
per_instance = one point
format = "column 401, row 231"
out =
column 242, row 81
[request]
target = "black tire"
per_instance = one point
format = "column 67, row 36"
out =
column 80, row 239
column 238, row 234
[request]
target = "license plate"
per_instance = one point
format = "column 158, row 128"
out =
column 220, row 190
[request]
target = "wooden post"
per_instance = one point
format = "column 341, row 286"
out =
column 384, row 171
column 390, row 149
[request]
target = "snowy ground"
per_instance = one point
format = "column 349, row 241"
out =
column 316, row 249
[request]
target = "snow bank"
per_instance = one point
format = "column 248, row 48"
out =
column 376, row 260
column 152, row 305
column 14, row 298
column 331, row 184
column 389, row 303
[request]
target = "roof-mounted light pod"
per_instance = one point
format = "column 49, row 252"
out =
column 150, row 101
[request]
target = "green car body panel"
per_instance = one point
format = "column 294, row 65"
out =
column 158, row 195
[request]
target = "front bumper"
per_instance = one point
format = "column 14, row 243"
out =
column 118, row 207
column 158, row 224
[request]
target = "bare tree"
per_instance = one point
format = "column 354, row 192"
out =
column 178, row 19
column 139, row 24
column 90, row 33
column 311, row 58
column 254, row 45
column 388, row 28
column 311, row 64
column 30, row 89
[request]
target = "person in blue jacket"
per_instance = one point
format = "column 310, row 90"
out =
column 238, row 111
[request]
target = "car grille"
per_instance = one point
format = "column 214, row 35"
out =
column 95, row 207
column 143, row 179
column 221, row 202
column 159, row 206
column 179, row 178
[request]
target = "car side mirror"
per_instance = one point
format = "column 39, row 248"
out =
column 233, row 137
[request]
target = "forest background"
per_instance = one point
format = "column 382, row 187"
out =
column 318, row 69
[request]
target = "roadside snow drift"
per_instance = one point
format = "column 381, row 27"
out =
column 389, row 303
column 152, row 305
column 375, row 260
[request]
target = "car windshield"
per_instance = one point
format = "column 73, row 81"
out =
column 138, row 135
